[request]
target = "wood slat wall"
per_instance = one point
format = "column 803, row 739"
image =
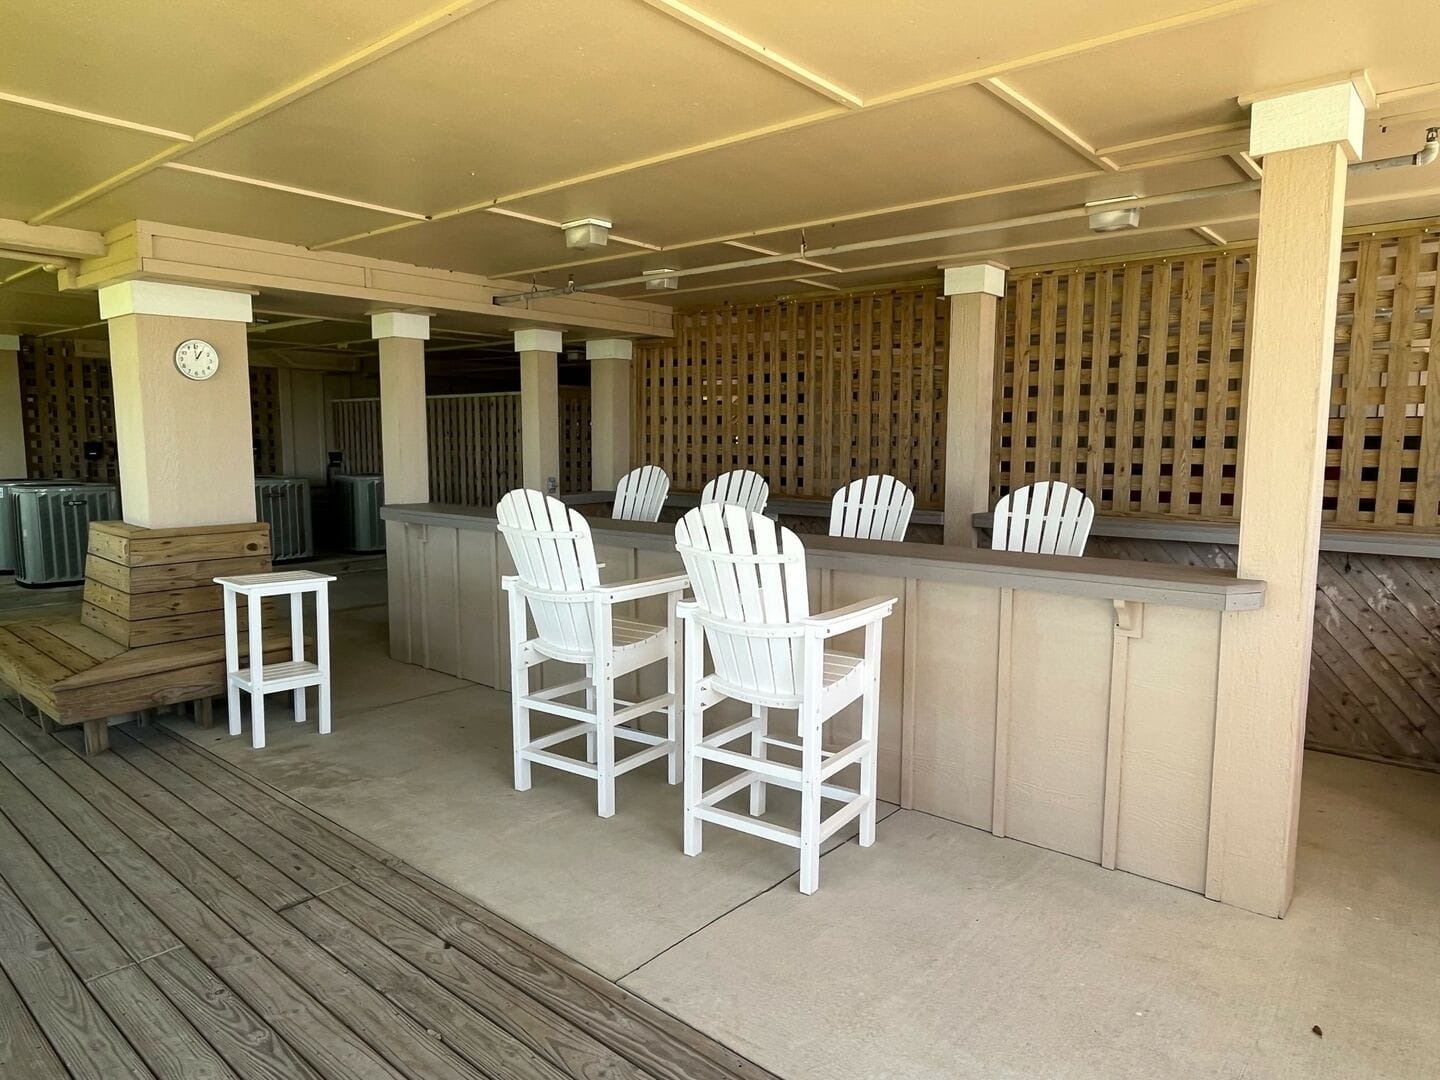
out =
column 1129, row 384
column 811, row 394
column 1375, row 668
column 474, row 443
column 68, row 400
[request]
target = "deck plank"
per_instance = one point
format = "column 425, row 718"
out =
column 76, row 1026
column 24, row 1050
column 169, row 915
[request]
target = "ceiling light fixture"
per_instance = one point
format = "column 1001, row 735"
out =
column 660, row 279
column 1112, row 215
column 586, row 234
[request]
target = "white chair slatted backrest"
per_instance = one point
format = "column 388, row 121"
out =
column 1050, row 517
column 875, row 507
column 550, row 544
column 747, row 572
column 641, row 494
column 742, row 487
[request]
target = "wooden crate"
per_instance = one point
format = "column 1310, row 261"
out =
column 156, row 586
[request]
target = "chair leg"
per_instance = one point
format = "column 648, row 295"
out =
column 520, row 721
column 605, row 746
column 694, row 730
column 810, row 732
column 590, row 708
column 869, row 731
column 757, row 750
column 232, row 707
column 672, row 721
column 257, row 720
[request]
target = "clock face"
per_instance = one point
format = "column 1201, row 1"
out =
column 196, row 359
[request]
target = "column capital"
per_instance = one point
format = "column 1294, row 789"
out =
column 1310, row 117
column 400, row 324
column 9, row 342
column 986, row 277
column 181, row 301
column 610, row 349
column 538, row 339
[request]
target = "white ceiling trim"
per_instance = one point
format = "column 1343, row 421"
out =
column 1047, row 122
column 271, row 185
column 93, row 117
column 412, row 31
column 731, row 38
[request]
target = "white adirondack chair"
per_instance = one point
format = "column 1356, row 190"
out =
column 752, row 607
column 640, row 495
column 558, row 581
column 1050, row 517
column 742, row 487
column 875, row 507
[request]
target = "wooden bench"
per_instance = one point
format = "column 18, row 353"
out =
column 75, row 675
column 150, row 629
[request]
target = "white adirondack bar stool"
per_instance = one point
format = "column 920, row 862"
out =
column 558, row 581
column 876, row 507
column 752, row 607
column 640, row 495
column 297, row 674
column 1050, row 517
column 742, row 487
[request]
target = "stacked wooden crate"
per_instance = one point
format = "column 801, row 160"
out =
column 156, row 586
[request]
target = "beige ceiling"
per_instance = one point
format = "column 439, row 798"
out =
column 459, row 135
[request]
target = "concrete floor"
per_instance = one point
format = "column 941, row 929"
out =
column 939, row 952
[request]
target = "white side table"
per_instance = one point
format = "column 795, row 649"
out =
column 296, row 674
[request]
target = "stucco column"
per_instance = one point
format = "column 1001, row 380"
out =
column 539, row 409
column 975, row 293
column 404, row 435
column 609, row 410
column 1304, row 139
column 12, row 415
column 184, row 446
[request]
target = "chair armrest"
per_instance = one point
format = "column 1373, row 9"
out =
column 507, row 581
column 851, row 617
column 642, row 587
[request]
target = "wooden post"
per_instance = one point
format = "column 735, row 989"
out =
column 404, row 439
column 1264, row 673
column 975, row 295
column 609, row 410
column 12, row 416
column 539, row 409
column 184, row 445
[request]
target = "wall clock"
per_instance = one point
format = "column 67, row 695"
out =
column 196, row 359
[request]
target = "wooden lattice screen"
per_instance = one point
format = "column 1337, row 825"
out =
column 810, row 394
column 474, row 443
column 69, row 402
column 1131, row 373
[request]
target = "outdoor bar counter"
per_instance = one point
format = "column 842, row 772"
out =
column 1067, row 702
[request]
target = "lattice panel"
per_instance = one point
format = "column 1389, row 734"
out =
column 68, row 402
column 1129, row 377
column 265, row 419
column 474, row 443
column 810, row 394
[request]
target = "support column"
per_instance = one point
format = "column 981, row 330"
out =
column 539, row 409
column 404, row 434
column 975, row 293
column 1264, row 679
column 184, row 446
column 609, row 410
column 12, row 414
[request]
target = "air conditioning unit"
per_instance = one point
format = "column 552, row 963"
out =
column 357, row 504
column 52, row 528
column 284, row 502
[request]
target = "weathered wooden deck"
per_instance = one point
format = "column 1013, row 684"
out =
column 163, row 914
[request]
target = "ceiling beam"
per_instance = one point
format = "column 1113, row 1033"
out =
column 733, row 39
column 271, row 185
column 1046, row 121
column 50, row 240
column 1209, row 235
column 93, row 117
column 413, row 31
column 967, row 78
